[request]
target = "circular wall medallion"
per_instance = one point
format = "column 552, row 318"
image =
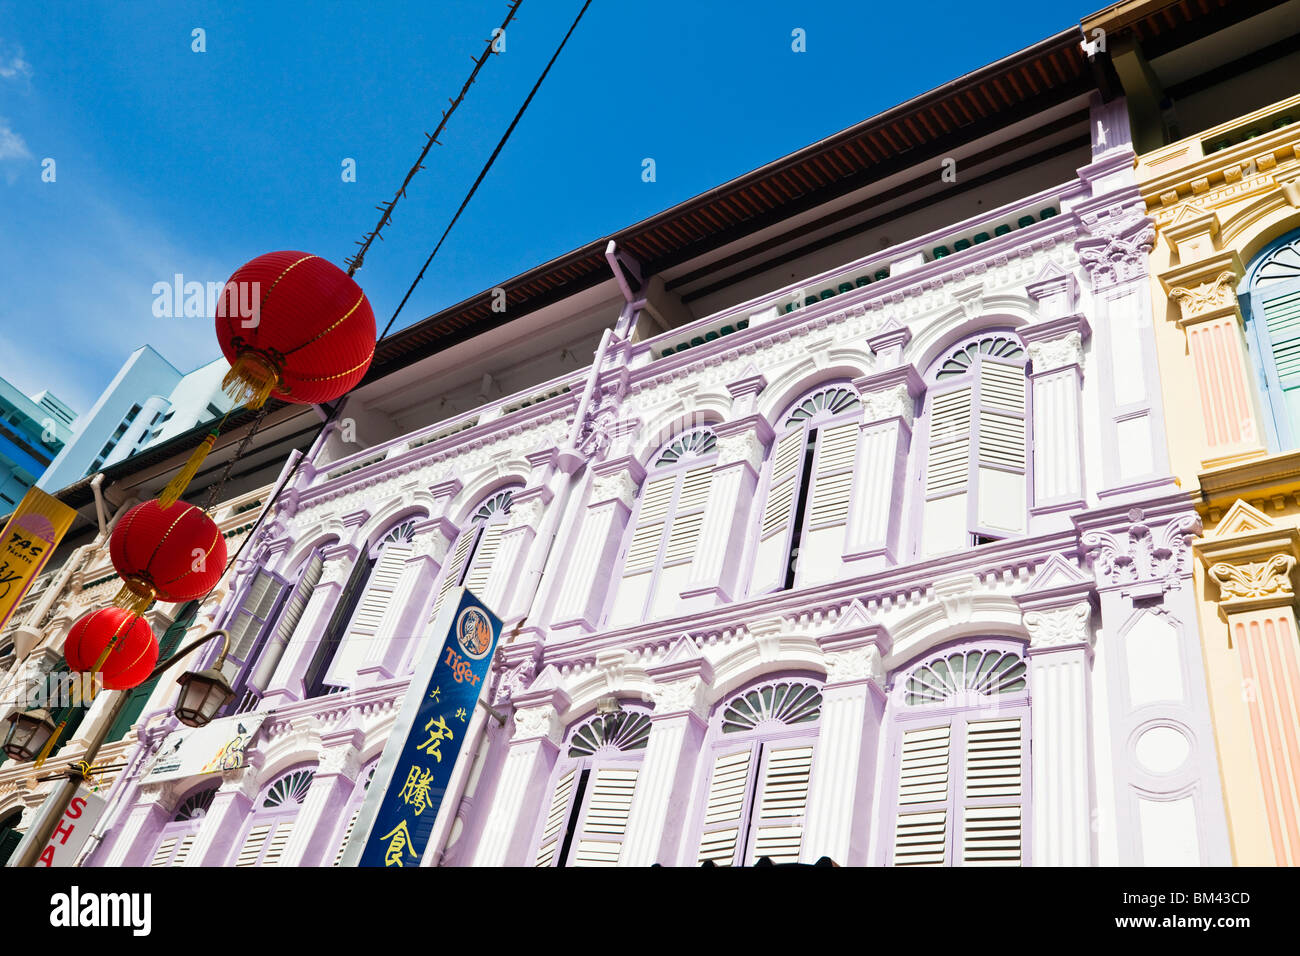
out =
column 1162, row 749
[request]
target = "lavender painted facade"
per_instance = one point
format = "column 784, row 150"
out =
column 896, row 577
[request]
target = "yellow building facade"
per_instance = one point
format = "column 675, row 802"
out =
column 1225, row 268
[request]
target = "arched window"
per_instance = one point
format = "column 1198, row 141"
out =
column 10, row 835
column 1272, row 291
column 357, row 615
column 177, row 837
column 664, row 531
column 960, row 752
column 353, row 809
column 470, row 561
column 761, row 763
column 974, row 483
column 592, row 790
column 271, row 823
column 809, row 481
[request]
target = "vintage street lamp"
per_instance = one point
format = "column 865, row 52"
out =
column 202, row 695
column 28, row 734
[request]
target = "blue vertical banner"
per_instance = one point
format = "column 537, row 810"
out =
column 412, row 776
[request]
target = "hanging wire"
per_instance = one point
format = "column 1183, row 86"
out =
column 338, row 406
column 386, row 210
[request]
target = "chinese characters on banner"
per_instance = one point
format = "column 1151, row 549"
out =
column 413, row 791
column 28, row 540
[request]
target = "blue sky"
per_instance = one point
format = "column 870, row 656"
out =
column 170, row 161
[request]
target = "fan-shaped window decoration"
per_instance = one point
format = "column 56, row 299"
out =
column 497, row 504
column 788, row 703
column 830, row 400
column 692, row 444
column 624, row 730
column 1271, row 297
column 195, row 806
column 592, row 792
column 809, row 487
column 291, row 787
column 997, row 346
column 984, row 672
column 663, row 534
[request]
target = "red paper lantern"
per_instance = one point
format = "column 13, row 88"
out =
column 173, row 553
column 295, row 326
column 134, row 649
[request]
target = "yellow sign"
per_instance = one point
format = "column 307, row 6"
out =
column 28, row 540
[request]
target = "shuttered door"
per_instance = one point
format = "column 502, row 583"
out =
column 247, row 623
column 374, row 604
column 642, row 556
column 484, row 560
column 173, row 849
column 778, row 512
column 455, row 567
column 921, row 830
column 604, row 821
column 724, row 814
column 682, row 539
column 783, row 797
column 1001, row 504
column 822, row 548
column 557, row 817
column 250, row 854
column 947, row 471
column 1279, row 308
column 992, row 824
column 264, row 669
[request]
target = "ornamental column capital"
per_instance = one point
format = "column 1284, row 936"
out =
column 890, row 394
column 1205, row 289
column 1251, row 559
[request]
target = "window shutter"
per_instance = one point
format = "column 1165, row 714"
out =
column 921, row 835
column 264, row 669
column 1280, row 310
column 946, row 521
column 725, row 811
column 778, row 827
column 277, row 842
column 377, row 599
column 1001, row 455
column 778, row 511
column 833, row 478
column 682, row 539
column 642, row 556
column 251, row 851
column 454, row 567
column 347, row 835
column 163, row 855
column 604, row 823
column 248, row 621
column 484, row 558
column 556, row 817
column 992, row 819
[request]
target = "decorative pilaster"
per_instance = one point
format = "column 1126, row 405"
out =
column 134, row 840
column 316, row 827
column 526, row 513
column 1056, row 610
column 837, row 819
column 1252, row 561
column 223, row 826
column 521, row 786
column 1167, row 799
column 587, row 577
column 1056, row 382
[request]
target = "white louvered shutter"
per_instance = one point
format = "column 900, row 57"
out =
column 247, row 623
column 173, row 850
column 557, row 816
column 992, row 817
column 947, row 471
column 374, row 604
column 455, row 567
column 485, row 555
column 782, row 798
column 604, row 823
column 643, row 549
column 778, row 512
column 264, row 669
column 822, row 549
column 250, row 854
column 277, row 842
column 1001, row 502
column 724, row 814
column 347, row 835
column 921, row 829
column 683, row 538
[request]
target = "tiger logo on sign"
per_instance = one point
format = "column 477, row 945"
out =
column 474, row 633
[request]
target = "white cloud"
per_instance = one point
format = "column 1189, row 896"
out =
column 13, row 66
column 12, row 145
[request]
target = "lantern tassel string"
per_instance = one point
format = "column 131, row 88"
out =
column 386, row 210
column 269, row 507
column 239, row 453
column 487, row 166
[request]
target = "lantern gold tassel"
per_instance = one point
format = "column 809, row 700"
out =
column 176, row 487
column 251, row 379
column 50, row 744
column 133, row 600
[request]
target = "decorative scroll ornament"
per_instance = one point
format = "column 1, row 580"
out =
column 1140, row 555
column 536, row 722
column 861, row 663
column 620, row 485
column 743, row 446
column 1256, row 579
column 1058, row 353
column 1207, row 296
column 598, row 424
column 1121, row 240
column 515, row 680
column 1060, row 627
column 888, row 403
column 679, row 696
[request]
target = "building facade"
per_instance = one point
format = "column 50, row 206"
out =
column 32, row 432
